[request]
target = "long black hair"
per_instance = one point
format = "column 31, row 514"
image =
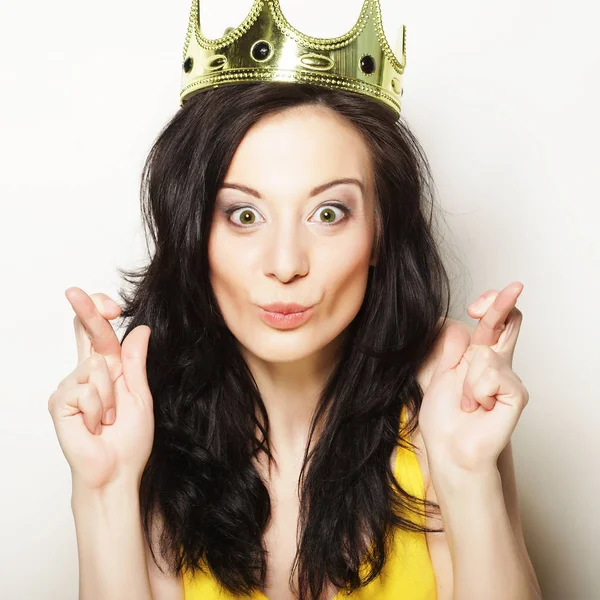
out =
column 201, row 478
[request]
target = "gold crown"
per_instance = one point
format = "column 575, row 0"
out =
column 265, row 47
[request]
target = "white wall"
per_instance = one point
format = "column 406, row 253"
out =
column 503, row 96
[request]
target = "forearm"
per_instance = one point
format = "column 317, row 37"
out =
column 110, row 544
column 486, row 559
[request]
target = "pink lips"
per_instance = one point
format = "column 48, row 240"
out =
column 285, row 316
column 281, row 307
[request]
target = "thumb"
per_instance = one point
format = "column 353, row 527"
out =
column 134, row 352
column 457, row 338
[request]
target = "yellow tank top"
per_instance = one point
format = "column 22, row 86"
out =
column 407, row 573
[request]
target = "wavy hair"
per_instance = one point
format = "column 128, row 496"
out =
column 201, row 476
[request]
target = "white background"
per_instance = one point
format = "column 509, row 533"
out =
column 503, row 96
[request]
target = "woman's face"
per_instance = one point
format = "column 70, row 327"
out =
column 289, row 237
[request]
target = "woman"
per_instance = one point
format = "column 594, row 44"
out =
column 267, row 449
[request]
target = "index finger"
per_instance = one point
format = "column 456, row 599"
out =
column 492, row 324
column 102, row 336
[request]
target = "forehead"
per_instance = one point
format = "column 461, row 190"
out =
column 294, row 150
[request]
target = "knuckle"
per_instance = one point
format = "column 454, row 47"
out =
column 88, row 392
column 90, row 398
column 492, row 372
column 486, row 325
column 69, row 381
column 52, row 400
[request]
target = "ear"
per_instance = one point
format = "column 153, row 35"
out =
column 373, row 259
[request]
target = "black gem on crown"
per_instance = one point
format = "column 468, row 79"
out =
column 188, row 64
column 367, row 64
column 260, row 50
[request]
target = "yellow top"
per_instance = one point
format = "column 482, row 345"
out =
column 407, row 573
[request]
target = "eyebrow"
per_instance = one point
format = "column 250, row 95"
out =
column 314, row 192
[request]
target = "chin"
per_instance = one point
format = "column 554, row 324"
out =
column 288, row 355
column 277, row 346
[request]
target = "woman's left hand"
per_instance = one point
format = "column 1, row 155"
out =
column 474, row 399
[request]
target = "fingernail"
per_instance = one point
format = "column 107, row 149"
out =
column 98, row 429
column 109, row 303
column 473, row 305
column 109, row 417
column 105, row 304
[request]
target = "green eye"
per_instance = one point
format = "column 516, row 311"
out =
column 247, row 217
column 327, row 215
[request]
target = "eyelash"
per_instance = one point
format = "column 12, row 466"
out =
column 237, row 207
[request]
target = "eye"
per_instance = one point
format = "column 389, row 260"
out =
column 246, row 214
column 327, row 215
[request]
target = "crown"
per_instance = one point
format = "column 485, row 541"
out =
column 265, row 47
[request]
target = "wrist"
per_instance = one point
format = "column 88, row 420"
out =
column 116, row 494
column 454, row 480
column 467, row 499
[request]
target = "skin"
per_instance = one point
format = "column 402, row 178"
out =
column 471, row 406
column 289, row 246
column 103, row 416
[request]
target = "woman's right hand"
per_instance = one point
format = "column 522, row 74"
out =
column 103, row 410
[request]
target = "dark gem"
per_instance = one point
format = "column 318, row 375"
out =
column 260, row 51
column 188, row 64
column 367, row 64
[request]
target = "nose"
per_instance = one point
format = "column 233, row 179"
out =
column 286, row 253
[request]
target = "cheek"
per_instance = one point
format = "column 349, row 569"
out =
column 345, row 283
column 227, row 271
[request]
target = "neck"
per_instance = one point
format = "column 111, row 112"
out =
column 290, row 392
